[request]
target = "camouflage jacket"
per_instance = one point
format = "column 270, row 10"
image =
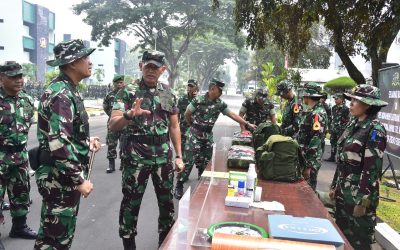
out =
column 108, row 101
column 183, row 102
column 256, row 113
column 340, row 118
column 311, row 135
column 291, row 117
column 63, row 129
column 204, row 115
column 361, row 148
column 15, row 120
column 161, row 101
column 328, row 111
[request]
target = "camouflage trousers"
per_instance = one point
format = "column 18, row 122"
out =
column 198, row 152
column 15, row 179
column 313, row 178
column 358, row 231
column 135, row 177
column 58, row 214
column 334, row 139
column 112, row 143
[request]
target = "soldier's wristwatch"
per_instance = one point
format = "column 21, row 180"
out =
column 127, row 117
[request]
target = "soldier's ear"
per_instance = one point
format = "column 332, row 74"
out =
column 141, row 66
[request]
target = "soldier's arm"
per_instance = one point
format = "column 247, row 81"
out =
column 189, row 112
column 372, row 165
column 106, row 106
column 175, row 134
column 63, row 149
column 273, row 115
column 120, row 119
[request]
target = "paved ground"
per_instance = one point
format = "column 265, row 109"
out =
column 97, row 226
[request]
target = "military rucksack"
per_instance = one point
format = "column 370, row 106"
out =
column 280, row 159
column 262, row 133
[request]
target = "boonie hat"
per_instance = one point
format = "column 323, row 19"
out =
column 68, row 52
column 367, row 94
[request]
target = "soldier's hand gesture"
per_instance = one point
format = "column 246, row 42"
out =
column 136, row 109
column 85, row 188
column 179, row 166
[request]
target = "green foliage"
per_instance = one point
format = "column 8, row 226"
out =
column 270, row 80
column 29, row 70
column 340, row 82
column 99, row 75
column 389, row 211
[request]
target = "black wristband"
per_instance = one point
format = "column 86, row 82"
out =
column 178, row 157
column 127, row 117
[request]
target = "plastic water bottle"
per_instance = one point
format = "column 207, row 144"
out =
column 251, row 181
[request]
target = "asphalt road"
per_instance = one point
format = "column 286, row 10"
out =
column 97, row 225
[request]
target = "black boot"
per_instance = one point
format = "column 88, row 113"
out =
column 129, row 244
column 111, row 166
column 19, row 229
column 5, row 206
column 332, row 157
column 178, row 190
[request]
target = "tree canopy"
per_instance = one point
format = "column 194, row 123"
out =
column 358, row 27
column 156, row 23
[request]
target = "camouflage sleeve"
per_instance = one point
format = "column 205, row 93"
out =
column 311, row 150
column 121, row 101
column 175, row 109
column 294, row 127
column 107, row 105
column 243, row 108
column 60, row 137
column 372, row 166
column 193, row 105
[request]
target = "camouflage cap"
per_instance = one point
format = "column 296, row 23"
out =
column 217, row 83
column 367, row 94
column 154, row 57
column 283, row 86
column 11, row 68
column 312, row 89
column 118, row 78
column 192, row 82
column 262, row 92
column 338, row 95
column 68, row 52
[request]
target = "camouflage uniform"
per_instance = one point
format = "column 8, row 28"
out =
column 63, row 135
column 361, row 148
column 329, row 119
column 146, row 152
column 183, row 102
column 112, row 137
column 311, row 134
column 16, row 114
column 200, row 135
column 292, row 112
column 256, row 113
column 340, row 118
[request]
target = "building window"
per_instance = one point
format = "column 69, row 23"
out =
column 29, row 12
column 1, row 47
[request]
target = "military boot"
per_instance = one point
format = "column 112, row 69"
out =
column 178, row 190
column 129, row 244
column 111, row 166
column 332, row 157
column 19, row 229
column 5, row 206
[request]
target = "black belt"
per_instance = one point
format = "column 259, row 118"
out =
column 207, row 129
column 149, row 139
column 12, row 149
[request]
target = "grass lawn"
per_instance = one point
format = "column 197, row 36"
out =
column 389, row 211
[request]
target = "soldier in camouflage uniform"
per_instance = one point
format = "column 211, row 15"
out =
column 291, row 114
column 258, row 109
column 183, row 102
column 112, row 137
column 328, row 114
column 201, row 114
column 360, row 157
column 64, row 143
column 149, row 114
column 340, row 118
column 16, row 112
column 312, row 132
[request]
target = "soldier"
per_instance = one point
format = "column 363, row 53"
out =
column 258, row 109
column 183, row 102
column 64, row 143
column 291, row 115
column 360, row 157
column 328, row 114
column 149, row 114
column 112, row 137
column 312, row 132
column 201, row 115
column 16, row 112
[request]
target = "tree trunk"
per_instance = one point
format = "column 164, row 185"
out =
column 173, row 74
column 354, row 73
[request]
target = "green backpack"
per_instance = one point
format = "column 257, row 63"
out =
column 263, row 132
column 280, row 159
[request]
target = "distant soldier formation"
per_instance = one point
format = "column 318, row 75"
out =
column 160, row 135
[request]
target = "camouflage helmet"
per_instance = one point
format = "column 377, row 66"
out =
column 11, row 68
column 283, row 87
column 68, row 52
column 154, row 57
column 118, row 78
column 312, row 89
column 367, row 94
column 217, row 83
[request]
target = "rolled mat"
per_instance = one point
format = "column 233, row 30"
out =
column 222, row 241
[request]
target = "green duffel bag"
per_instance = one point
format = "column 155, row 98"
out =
column 240, row 156
column 280, row 159
column 242, row 139
column 263, row 132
